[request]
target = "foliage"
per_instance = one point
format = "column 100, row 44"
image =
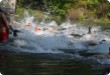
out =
column 58, row 6
column 93, row 10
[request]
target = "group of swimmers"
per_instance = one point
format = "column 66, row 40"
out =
column 39, row 28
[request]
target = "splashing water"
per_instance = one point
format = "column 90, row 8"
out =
column 109, row 0
column 0, row 0
column 1, row 74
column 51, row 38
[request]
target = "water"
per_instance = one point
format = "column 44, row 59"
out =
column 45, row 42
column 16, row 65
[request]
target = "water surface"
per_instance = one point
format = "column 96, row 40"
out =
column 22, row 65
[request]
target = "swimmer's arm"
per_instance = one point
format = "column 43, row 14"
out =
column 5, row 20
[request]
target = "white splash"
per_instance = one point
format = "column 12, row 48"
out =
column 48, row 38
column 1, row 74
column 53, row 39
column 0, row 0
column 108, row 74
column 109, row 0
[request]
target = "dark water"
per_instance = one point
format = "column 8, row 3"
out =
column 26, row 65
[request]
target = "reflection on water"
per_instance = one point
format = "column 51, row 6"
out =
column 19, row 65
